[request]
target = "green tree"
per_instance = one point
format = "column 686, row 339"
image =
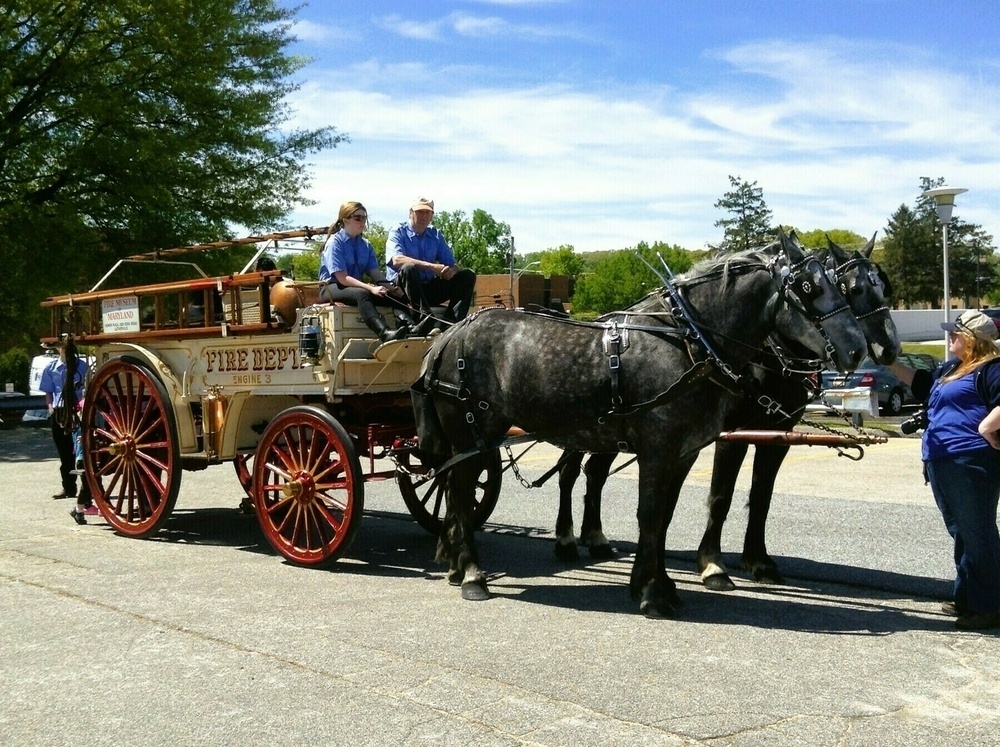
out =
column 749, row 223
column 378, row 235
column 816, row 238
column 912, row 255
column 972, row 263
column 562, row 260
column 481, row 243
column 127, row 126
column 621, row 278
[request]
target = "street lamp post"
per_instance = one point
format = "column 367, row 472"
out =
column 944, row 201
column 511, row 257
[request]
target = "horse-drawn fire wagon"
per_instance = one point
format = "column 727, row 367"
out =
column 252, row 369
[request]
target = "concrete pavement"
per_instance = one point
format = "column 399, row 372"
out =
column 202, row 636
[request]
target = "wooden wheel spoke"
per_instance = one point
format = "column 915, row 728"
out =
column 148, row 479
column 330, row 472
column 432, row 495
column 332, row 494
column 113, row 416
column 134, row 399
column 144, row 457
column 287, row 460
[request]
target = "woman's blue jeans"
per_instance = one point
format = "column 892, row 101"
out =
column 966, row 488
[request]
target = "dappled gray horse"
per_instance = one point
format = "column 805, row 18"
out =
column 658, row 388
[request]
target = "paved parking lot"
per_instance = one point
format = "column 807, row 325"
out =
column 203, row 636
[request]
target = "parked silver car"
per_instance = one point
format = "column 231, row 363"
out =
column 892, row 393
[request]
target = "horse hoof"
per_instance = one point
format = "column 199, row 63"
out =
column 656, row 611
column 566, row 551
column 718, row 582
column 658, row 606
column 455, row 578
column 475, row 591
column 767, row 576
column 764, row 571
column 602, row 552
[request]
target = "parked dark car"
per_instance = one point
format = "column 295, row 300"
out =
column 993, row 314
column 892, row 393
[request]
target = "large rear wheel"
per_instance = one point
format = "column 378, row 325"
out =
column 424, row 496
column 130, row 449
column 308, row 488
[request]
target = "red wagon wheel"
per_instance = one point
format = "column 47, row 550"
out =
column 243, row 463
column 308, row 487
column 424, row 496
column 130, row 449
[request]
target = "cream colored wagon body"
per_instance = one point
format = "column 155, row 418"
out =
column 250, row 369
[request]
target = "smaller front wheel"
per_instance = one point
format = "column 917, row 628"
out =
column 308, row 488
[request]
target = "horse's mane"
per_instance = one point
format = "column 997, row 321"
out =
column 728, row 265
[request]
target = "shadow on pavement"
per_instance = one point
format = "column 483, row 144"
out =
column 816, row 598
column 27, row 443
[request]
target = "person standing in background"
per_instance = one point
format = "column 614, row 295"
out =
column 61, row 399
column 961, row 461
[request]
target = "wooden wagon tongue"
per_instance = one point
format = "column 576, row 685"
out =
column 793, row 438
column 801, row 438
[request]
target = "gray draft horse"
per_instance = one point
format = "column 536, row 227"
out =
column 659, row 389
column 781, row 379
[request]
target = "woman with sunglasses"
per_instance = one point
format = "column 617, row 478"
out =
column 961, row 461
column 347, row 259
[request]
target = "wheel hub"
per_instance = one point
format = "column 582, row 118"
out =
column 300, row 488
column 124, row 448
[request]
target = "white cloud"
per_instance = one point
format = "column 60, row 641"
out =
column 837, row 136
column 472, row 26
column 316, row 33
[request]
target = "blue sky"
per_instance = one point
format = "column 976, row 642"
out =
column 602, row 124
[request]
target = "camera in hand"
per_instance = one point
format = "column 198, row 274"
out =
column 916, row 422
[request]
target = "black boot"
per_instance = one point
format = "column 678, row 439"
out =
column 424, row 326
column 389, row 335
column 403, row 318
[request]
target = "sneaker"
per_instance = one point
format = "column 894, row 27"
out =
column 92, row 510
column 64, row 494
column 978, row 621
column 78, row 516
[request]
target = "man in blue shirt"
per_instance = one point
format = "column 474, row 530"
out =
column 62, row 407
column 419, row 260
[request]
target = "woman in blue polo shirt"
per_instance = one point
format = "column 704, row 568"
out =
column 347, row 258
column 961, row 455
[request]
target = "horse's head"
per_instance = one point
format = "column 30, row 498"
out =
column 818, row 316
column 865, row 287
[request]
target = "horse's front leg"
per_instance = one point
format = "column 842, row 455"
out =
column 766, row 463
column 725, row 469
column 591, row 530
column 457, row 544
column 659, row 488
column 569, row 471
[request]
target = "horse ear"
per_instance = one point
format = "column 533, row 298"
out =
column 790, row 248
column 839, row 255
column 867, row 250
